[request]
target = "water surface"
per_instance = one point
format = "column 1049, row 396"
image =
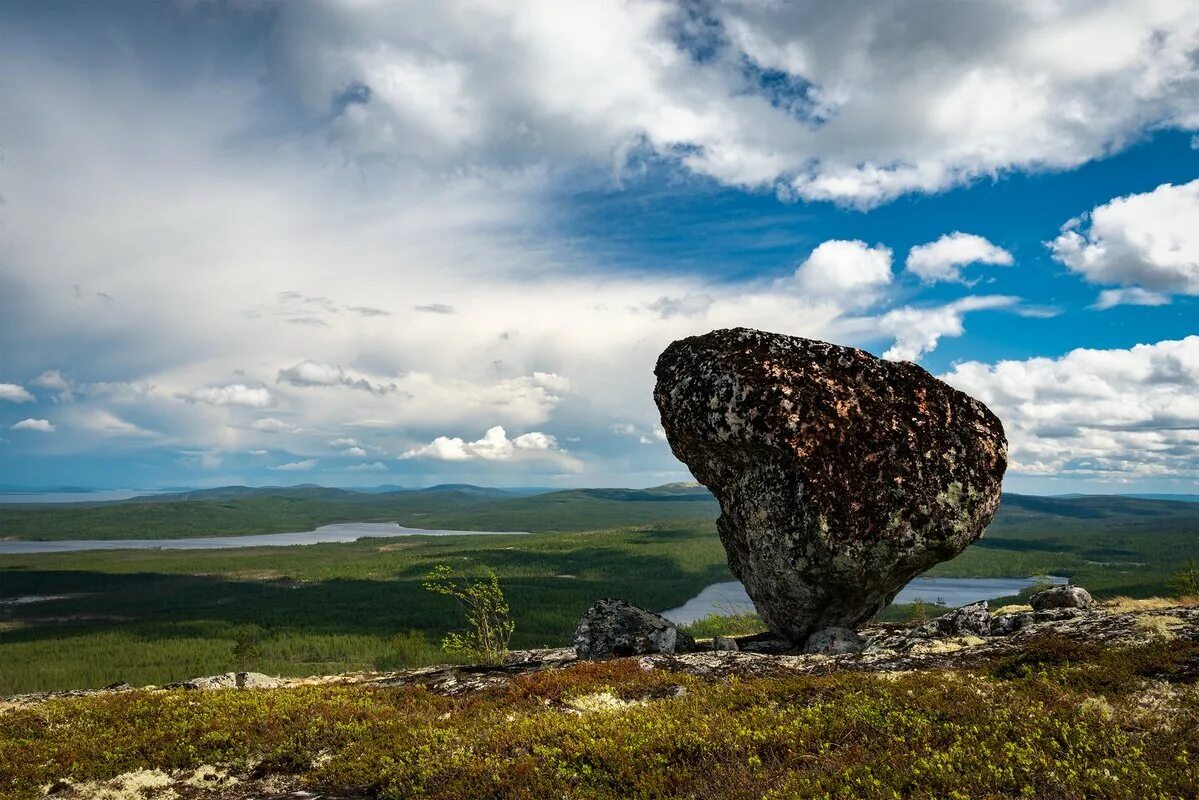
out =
column 341, row 532
column 730, row 597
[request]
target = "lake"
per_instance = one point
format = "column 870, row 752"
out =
column 730, row 597
column 341, row 532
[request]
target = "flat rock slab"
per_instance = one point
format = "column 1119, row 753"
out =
column 840, row 476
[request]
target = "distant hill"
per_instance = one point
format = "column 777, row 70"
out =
column 239, row 510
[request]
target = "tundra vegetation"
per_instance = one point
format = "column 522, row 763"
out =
column 1062, row 719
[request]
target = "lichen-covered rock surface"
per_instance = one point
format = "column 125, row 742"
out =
column 1062, row 597
column 840, row 476
column 614, row 627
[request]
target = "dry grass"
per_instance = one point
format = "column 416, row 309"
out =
column 1128, row 605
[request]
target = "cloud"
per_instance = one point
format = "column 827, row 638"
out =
column 272, row 425
column 296, row 466
column 236, row 394
column 377, row 466
column 943, row 259
column 1146, row 241
column 558, row 339
column 106, row 423
column 1116, row 415
column 312, row 373
column 42, row 425
column 353, row 451
column 493, row 446
column 435, row 308
column 855, row 103
column 52, row 379
column 1132, row 296
column 15, row 393
column 850, row 272
column 918, row 330
column 654, row 434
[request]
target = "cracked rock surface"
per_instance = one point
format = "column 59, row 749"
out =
column 840, row 476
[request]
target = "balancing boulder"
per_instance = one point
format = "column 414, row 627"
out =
column 840, row 476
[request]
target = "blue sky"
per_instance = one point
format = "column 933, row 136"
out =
column 358, row 244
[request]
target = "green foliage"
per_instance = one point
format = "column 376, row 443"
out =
column 152, row 616
column 1093, row 667
column 1186, row 581
column 725, row 624
column 919, row 611
column 939, row 734
column 245, row 648
column 409, row 649
column 489, row 626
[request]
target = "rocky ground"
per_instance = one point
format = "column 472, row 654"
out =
column 893, row 650
column 888, row 648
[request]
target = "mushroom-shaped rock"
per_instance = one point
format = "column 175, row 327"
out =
column 840, row 476
column 1062, row 597
column 614, row 627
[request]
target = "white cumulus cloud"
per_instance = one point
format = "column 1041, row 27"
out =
column 852, row 102
column 236, row 394
column 42, row 425
column 1147, row 241
column 493, row 446
column 917, row 330
column 851, row 272
column 943, row 259
column 1117, row 414
column 15, row 393
column 52, row 379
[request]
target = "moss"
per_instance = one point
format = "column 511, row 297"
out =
column 1045, row 732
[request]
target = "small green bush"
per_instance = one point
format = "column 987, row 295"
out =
column 1186, row 581
column 245, row 648
column 489, row 626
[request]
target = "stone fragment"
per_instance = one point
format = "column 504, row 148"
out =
column 615, row 627
column 840, row 476
column 971, row 620
column 229, row 680
column 834, row 642
column 725, row 644
column 1062, row 597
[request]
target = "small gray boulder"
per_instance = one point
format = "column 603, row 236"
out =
column 971, row 620
column 834, row 642
column 1062, row 597
column 613, row 628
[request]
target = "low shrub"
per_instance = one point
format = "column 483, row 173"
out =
column 1040, row 733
